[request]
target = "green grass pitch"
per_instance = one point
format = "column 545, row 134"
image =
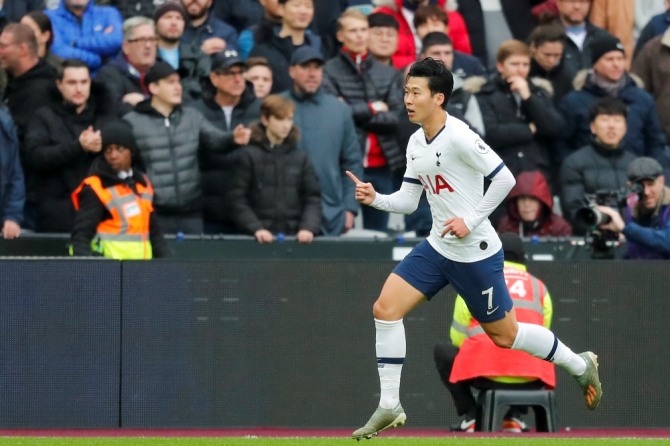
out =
column 380, row 441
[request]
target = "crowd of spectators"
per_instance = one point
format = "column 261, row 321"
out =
column 561, row 89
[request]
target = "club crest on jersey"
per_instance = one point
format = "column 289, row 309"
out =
column 481, row 147
column 436, row 184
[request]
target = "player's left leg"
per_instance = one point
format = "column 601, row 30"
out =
column 482, row 285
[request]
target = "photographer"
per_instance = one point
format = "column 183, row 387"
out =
column 598, row 166
column 647, row 220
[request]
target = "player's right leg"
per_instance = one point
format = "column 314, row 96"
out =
column 417, row 277
column 396, row 300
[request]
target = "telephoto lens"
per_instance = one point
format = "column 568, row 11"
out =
column 592, row 216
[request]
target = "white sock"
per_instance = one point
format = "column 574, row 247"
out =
column 390, row 348
column 543, row 344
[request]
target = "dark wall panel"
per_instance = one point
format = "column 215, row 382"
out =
column 59, row 343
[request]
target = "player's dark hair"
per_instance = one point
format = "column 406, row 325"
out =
column 608, row 106
column 440, row 79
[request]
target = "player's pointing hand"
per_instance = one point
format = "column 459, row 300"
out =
column 365, row 193
column 455, row 226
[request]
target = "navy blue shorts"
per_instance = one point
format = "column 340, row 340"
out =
column 481, row 284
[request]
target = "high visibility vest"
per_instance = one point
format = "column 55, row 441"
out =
column 478, row 356
column 125, row 235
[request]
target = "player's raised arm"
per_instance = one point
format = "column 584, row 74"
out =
column 365, row 193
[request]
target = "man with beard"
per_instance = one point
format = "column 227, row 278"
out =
column 86, row 32
column 205, row 31
column 647, row 223
column 189, row 61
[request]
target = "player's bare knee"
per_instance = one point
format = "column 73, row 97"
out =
column 502, row 340
column 383, row 312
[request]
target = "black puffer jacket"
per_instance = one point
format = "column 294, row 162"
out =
column 53, row 152
column 274, row 188
column 374, row 82
column 507, row 124
column 215, row 166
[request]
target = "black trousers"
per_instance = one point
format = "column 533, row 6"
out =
column 462, row 391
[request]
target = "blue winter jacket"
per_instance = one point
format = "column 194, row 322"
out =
column 12, row 187
column 645, row 136
column 92, row 39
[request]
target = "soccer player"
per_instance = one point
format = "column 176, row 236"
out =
column 449, row 161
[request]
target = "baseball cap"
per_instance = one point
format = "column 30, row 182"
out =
column 513, row 247
column 306, row 54
column 644, row 168
column 602, row 45
column 160, row 70
column 226, row 59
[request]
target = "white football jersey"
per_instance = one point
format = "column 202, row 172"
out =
column 451, row 167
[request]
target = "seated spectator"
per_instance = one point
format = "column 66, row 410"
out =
column 273, row 188
column 519, row 116
column 645, row 10
column 41, row 25
column 11, row 11
column 63, row 139
column 229, row 103
column 600, row 165
column 193, row 65
column 471, row 361
column 259, row 73
column 169, row 138
column 646, row 225
column 546, row 49
column 124, row 75
column 644, row 137
column 530, row 209
column 652, row 65
column 115, row 216
column 12, row 189
column 277, row 45
column 86, row 32
column 383, row 37
column 210, row 34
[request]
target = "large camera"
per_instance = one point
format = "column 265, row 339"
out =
column 602, row 242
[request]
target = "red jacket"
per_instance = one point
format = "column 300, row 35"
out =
column 478, row 356
column 407, row 51
column 533, row 184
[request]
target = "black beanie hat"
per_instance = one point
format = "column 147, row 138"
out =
column 170, row 6
column 119, row 132
column 604, row 44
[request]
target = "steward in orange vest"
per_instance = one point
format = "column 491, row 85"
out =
column 114, row 207
column 472, row 360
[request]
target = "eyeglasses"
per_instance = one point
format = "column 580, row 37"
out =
column 143, row 40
